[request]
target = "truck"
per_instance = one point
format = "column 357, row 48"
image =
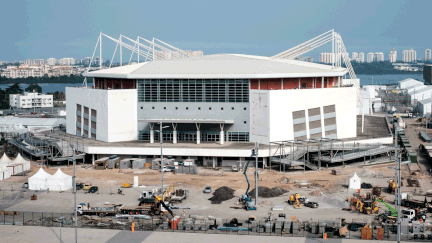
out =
column 179, row 195
column 83, row 209
column 410, row 202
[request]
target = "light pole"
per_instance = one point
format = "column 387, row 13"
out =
column 61, row 219
column 161, row 142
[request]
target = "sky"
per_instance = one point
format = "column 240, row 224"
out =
column 42, row 29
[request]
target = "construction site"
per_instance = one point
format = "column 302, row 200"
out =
column 353, row 163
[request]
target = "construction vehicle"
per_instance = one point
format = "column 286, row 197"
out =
column 410, row 202
column 294, row 199
column 83, row 209
column 367, row 206
column 392, row 186
column 247, row 202
column 87, row 186
column 152, row 205
column 126, row 185
column 179, row 195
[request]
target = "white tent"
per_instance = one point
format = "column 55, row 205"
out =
column 354, row 182
column 39, row 180
column 5, row 161
column 4, row 172
column 59, row 181
column 20, row 160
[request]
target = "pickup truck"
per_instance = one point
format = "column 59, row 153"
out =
column 179, row 195
column 311, row 204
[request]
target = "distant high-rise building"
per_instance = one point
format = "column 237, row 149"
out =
column 52, row 61
column 409, row 56
column 326, row 57
column 370, row 57
column 361, row 57
column 379, row 57
column 38, row 62
column 354, row 56
column 428, row 55
column 67, row 61
column 393, row 55
column 28, row 62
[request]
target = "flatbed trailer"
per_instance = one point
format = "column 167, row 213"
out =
column 179, row 195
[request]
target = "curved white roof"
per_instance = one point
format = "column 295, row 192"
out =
column 232, row 66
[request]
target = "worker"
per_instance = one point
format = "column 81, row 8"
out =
column 359, row 190
column 184, row 214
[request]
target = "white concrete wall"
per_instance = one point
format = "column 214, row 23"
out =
column 116, row 112
column 425, row 109
column 274, row 111
column 421, row 96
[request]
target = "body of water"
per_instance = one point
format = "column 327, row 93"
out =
column 49, row 87
column 365, row 79
column 385, row 79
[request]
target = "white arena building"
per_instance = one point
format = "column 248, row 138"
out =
column 211, row 106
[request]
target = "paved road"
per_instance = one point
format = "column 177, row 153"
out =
column 36, row 234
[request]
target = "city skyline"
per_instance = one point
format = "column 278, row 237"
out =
column 39, row 34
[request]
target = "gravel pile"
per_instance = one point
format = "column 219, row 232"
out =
column 266, row 192
column 222, row 194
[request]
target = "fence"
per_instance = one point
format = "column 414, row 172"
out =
column 284, row 228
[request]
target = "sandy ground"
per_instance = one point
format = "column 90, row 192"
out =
column 333, row 187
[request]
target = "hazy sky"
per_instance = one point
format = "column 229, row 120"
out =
column 42, row 29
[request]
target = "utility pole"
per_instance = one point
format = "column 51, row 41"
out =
column 397, row 190
column 162, row 168
column 75, row 200
column 256, row 173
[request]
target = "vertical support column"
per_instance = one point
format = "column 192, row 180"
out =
column 93, row 159
column 174, row 133
column 299, row 84
column 322, row 82
column 198, row 138
column 339, row 81
column 151, row 133
column 100, row 51
column 221, row 136
column 138, row 49
column 214, row 162
column 121, row 83
column 121, row 53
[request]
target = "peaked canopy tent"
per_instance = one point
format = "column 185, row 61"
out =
column 59, row 181
column 5, row 161
column 39, row 180
column 354, row 182
column 20, row 160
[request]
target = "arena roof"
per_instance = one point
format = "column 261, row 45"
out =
column 230, row 66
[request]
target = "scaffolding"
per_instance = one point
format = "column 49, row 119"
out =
column 311, row 153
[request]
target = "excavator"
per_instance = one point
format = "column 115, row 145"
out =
column 367, row 207
column 294, row 200
column 247, row 202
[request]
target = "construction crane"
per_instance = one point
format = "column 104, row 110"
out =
column 247, row 202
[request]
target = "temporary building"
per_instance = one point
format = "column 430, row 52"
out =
column 354, row 182
column 16, row 168
column 39, row 181
column 4, row 172
column 20, row 160
column 138, row 163
column 5, row 161
column 59, row 181
column 125, row 164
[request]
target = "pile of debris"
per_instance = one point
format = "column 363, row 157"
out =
column 316, row 193
column 266, row 192
column 222, row 194
column 283, row 180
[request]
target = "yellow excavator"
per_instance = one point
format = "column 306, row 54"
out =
column 367, row 207
column 168, row 192
column 294, row 200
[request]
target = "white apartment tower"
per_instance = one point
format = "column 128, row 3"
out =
column 370, row 57
column 393, row 55
column 326, row 57
column 428, row 55
column 52, row 61
column 409, row 56
column 379, row 57
column 354, row 56
column 361, row 57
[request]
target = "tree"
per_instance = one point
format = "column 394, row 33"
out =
column 4, row 100
column 14, row 89
column 34, row 87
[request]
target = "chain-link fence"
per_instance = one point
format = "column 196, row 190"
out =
column 277, row 228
